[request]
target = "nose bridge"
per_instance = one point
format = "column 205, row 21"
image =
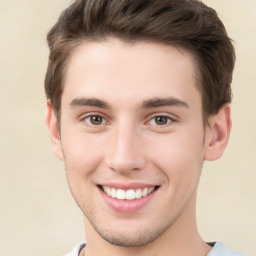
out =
column 125, row 151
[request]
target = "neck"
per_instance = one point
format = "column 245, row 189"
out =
column 182, row 238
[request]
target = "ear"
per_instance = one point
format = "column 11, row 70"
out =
column 51, row 122
column 217, row 133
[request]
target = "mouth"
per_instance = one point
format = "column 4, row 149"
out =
column 128, row 194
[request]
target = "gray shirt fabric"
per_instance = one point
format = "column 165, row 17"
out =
column 218, row 249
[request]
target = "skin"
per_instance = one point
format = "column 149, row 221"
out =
column 118, row 83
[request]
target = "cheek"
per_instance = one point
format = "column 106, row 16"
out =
column 82, row 158
column 180, row 157
column 82, row 154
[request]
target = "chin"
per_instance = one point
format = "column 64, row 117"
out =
column 131, row 238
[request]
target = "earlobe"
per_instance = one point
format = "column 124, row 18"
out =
column 217, row 134
column 51, row 122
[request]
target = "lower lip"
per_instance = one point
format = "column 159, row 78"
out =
column 126, row 206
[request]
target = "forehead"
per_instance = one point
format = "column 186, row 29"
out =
column 113, row 67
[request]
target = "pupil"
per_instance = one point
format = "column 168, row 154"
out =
column 96, row 120
column 161, row 120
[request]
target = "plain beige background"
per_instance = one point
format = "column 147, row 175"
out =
column 37, row 213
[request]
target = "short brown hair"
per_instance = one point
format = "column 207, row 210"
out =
column 184, row 23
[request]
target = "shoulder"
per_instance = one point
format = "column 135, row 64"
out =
column 76, row 250
column 219, row 249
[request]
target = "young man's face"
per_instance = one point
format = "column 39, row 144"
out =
column 131, row 124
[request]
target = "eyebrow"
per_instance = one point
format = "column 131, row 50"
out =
column 93, row 102
column 151, row 103
column 160, row 102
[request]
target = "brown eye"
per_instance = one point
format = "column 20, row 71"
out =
column 160, row 120
column 95, row 120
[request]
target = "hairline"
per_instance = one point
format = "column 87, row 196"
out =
column 76, row 43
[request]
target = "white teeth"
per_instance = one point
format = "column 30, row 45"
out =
column 151, row 189
column 120, row 194
column 113, row 192
column 138, row 193
column 129, row 194
column 145, row 192
column 105, row 189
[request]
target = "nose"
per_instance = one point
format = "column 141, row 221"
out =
column 125, row 151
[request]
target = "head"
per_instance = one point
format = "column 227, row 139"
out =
column 131, row 86
column 187, row 24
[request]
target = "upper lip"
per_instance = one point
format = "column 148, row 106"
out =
column 126, row 186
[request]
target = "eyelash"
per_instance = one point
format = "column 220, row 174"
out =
column 103, row 120
column 166, row 118
column 94, row 116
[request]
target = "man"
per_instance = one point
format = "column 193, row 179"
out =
column 138, row 98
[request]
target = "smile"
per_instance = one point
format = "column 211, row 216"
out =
column 130, row 194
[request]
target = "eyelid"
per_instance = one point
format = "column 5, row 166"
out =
column 169, row 116
column 90, row 114
column 156, row 114
column 168, row 120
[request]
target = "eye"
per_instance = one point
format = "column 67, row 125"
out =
column 94, row 120
column 160, row 120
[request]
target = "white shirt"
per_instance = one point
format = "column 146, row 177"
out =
column 218, row 249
